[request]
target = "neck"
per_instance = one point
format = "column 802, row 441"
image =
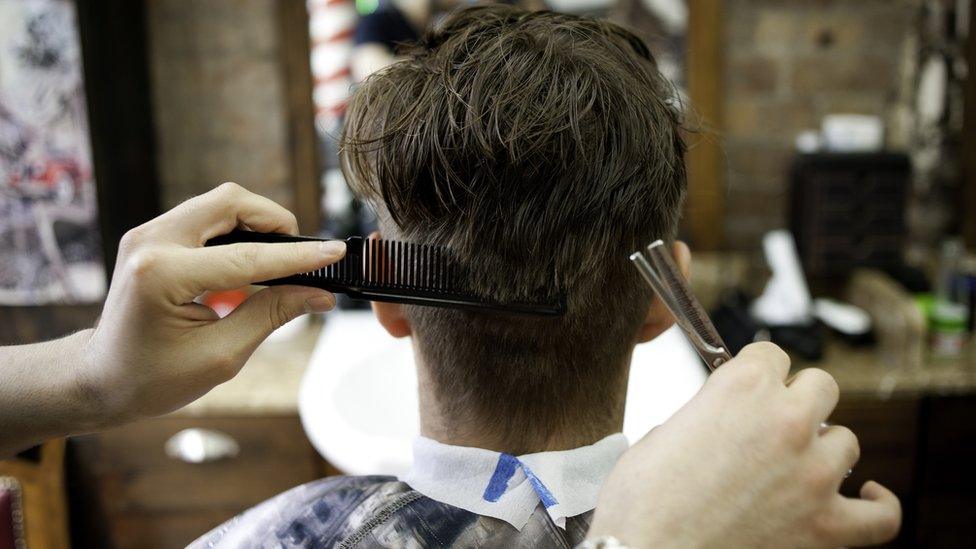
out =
column 456, row 428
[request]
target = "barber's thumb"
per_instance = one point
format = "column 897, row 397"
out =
column 269, row 309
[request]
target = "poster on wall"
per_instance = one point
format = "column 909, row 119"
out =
column 50, row 250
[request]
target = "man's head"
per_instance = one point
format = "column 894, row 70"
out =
column 542, row 149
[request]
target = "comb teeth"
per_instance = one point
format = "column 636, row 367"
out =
column 390, row 264
column 676, row 286
column 692, row 313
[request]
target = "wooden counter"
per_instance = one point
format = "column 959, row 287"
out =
column 267, row 385
column 871, row 372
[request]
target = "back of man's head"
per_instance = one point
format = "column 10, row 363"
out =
column 542, row 148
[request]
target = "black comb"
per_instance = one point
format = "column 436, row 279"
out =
column 393, row 271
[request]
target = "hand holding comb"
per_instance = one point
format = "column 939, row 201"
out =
column 392, row 271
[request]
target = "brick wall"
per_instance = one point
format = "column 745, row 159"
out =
column 218, row 97
column 219, row 102
column 787, row 64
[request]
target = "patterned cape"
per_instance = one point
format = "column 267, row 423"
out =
column 380, row 511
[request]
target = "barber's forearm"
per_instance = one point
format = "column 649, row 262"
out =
column 42, row 395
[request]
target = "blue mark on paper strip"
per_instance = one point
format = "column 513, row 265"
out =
column 544, row 494
column 504, row 471
column 507, row 465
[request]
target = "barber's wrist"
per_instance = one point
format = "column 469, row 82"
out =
column 95, row 406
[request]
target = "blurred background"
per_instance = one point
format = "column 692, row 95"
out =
column 831, row 209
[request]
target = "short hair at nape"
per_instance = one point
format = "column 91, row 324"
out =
column 542, row 148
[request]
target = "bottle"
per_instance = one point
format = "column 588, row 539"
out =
column 950, row 311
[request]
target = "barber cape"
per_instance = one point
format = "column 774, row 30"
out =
column 565, row 483
column 452, row 497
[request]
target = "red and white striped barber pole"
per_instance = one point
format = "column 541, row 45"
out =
column 331, row 27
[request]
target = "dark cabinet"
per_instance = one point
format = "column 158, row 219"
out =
column 124, row 491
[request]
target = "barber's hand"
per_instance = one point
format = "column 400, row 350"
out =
column 746, row 464
column 154, row 349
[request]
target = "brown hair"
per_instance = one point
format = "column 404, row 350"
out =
column 542, row 148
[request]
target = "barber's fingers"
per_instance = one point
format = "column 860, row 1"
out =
column 218, row 212
column 874, row 518
column 815, row 391
column 839, row 449
column 235, row 265
column 764, row 357
column 262, row 313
